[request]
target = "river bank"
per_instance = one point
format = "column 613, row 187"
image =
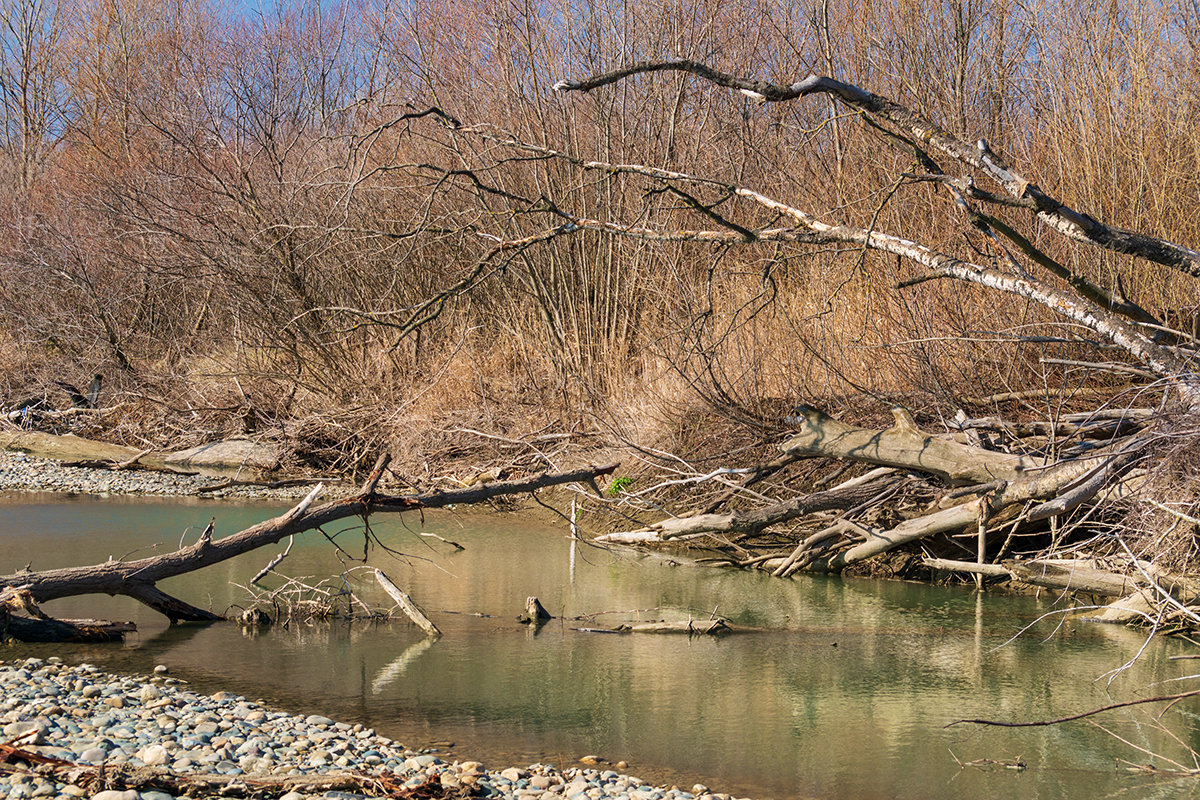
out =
column 25, row 473
column 125, row 724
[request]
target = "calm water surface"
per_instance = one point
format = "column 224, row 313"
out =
column 848, row 696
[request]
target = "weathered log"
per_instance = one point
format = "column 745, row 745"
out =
column 1098, row 425
column 137, row 578
column 706, row 627
column 644, row 537
column 949, row 565
column 1072, row 576
column 1138, row 600
column 999, row 505
column 411, row 609
column 947, row 521
column 162, row 779
column 1134, row 607
column 75, row 450
column 847, row 495
column 67, row 448
column 903, row 445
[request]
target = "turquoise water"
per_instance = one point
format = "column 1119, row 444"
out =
column 845, row 694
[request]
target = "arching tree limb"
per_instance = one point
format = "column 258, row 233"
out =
column 1058, row 216
column 807, row 228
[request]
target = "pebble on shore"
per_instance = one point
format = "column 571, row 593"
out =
column 83, row 715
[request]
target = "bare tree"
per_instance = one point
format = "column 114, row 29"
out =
column 31, row 65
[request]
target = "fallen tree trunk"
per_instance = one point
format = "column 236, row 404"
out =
column 1000, row 504
column 706, row 627
column 905, row 446
column 137, row 578
column 111, row 779
column 219, row 457
column 1066, row 575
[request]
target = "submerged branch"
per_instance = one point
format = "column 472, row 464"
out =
column 1042, row 723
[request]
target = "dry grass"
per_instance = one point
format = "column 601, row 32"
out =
column 203, row 274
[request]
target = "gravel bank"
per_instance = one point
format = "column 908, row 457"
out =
column 89, row 718
column 84, row 716
column 20, row 472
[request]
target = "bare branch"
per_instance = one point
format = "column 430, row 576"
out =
column 1067, row 221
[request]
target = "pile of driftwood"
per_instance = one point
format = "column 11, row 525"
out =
column 1044, row 503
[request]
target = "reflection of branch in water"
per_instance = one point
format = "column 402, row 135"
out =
column 397, row 668
column 161, row 643
column 1180, row 769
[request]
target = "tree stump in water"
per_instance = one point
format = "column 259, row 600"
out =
column 535, row 613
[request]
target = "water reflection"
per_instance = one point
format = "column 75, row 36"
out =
column 846, row 698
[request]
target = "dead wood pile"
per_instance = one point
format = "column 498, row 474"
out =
column 1097, row 503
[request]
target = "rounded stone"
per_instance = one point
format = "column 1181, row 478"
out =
column 93, row 755
column 30, row 731
column 154, row 755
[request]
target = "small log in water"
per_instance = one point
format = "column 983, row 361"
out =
column 705, row 627
column 407, row 605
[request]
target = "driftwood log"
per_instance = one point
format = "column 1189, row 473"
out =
column 964, row 490
column 138, row 578
column 704, row 627
column 905, row 446
column 411, row 609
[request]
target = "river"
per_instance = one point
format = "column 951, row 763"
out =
column 846, row 693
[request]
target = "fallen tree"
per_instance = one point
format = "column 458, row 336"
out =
column 1035, row 494
column 137, row 579
column 1050, row 483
